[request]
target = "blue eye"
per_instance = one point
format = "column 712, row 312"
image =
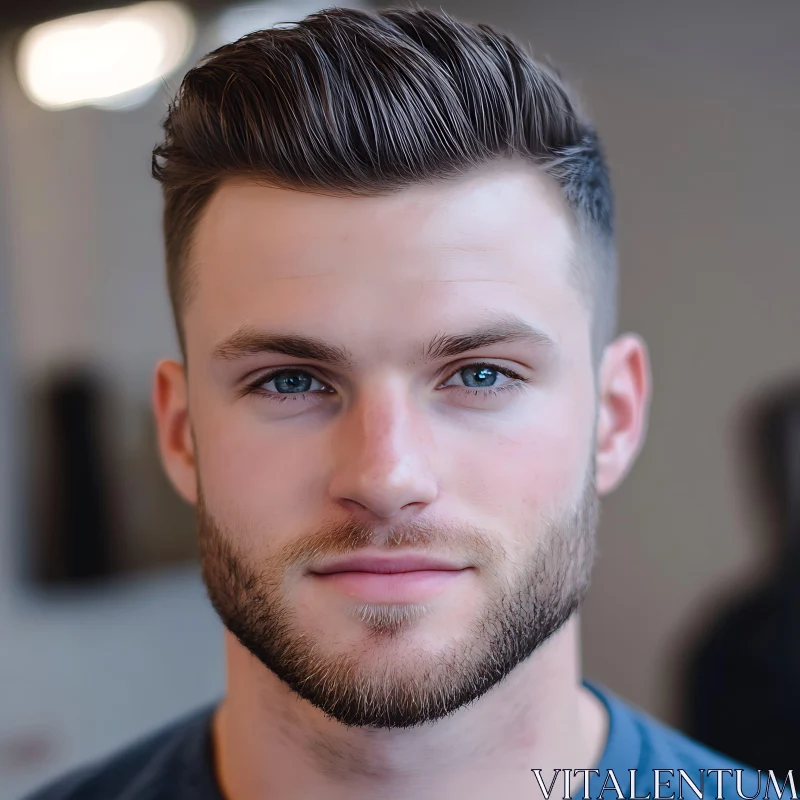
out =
column 290, row 382
column 483, row 378
column 478, row 376
column 287, row 382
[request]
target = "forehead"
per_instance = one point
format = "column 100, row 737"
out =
column 497, row 241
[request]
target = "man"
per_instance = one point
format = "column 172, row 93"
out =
column 391, row 261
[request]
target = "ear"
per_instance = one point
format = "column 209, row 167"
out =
column 176, row 445
column 623, row 403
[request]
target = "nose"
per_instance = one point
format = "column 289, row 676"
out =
column 382, row 461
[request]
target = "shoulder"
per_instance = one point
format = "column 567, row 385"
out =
column 680, row 762
column 662, row 744
column 651, row 751
column 139, row 770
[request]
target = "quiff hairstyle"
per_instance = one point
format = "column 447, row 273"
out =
column 368, row 103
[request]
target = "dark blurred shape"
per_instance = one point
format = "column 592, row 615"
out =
column 743, row 684
column 76, row 541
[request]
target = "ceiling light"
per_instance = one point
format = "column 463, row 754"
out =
column 111, row 58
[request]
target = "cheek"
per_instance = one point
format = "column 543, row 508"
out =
column 267, row 476
column 533, row 466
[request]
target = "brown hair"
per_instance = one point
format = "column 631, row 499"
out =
column 350, row 101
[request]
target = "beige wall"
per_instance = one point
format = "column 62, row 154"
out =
column 81, row 279
column 699, row 105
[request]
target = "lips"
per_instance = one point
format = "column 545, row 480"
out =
column 389, row 578
column 387, row 565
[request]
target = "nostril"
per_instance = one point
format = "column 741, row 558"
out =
column 352, row 505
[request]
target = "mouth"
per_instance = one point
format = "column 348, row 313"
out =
column 389, row 579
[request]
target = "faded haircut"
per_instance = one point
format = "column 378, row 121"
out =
column 366, row 103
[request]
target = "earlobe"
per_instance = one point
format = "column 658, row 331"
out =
column 176, row 445
column 623, row 397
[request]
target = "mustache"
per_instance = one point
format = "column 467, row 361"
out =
column 343, row 537
column 338, row 538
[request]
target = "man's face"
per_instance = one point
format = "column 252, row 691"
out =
column 400, row 383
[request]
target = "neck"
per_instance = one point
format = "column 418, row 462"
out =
column 270, row 743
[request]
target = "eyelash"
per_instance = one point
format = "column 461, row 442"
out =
column 520, row 382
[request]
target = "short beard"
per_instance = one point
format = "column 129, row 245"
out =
column 526, row 606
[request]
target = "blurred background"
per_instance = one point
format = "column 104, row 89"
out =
column 104, row 627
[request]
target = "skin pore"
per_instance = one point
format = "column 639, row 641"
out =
column 384, row 376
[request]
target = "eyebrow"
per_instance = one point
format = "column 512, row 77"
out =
column 502, row 330
column 249, row 341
